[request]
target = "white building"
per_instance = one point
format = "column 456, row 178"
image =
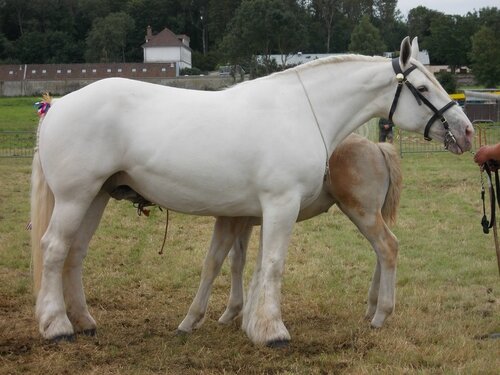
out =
column 166, row 47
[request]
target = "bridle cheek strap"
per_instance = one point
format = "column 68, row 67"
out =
column 438, row 114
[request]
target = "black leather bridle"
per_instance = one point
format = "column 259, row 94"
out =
column 449, row 138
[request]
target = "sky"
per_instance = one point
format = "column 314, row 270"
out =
column 460, row 7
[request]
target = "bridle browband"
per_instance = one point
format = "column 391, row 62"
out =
column 438, row 113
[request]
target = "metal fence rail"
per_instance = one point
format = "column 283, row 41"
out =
column 17, row 144
column 486, row 132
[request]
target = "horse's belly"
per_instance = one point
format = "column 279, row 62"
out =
column 226, row 197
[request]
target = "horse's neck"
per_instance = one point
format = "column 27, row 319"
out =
column 346, row 95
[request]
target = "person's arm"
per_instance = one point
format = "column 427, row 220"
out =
column 486, row 153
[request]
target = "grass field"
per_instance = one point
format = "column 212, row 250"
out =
column 18, row 114
column 448, row 296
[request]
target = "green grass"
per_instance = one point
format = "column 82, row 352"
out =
column 18, row 114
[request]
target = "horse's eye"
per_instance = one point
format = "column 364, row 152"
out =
column 422, row 88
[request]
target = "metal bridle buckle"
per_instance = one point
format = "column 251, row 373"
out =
column 449, row 139
column 400, row 78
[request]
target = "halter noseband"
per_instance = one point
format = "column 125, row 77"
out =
column 438, row 114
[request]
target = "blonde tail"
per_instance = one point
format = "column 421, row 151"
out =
column 393, row 162
column 42, row 205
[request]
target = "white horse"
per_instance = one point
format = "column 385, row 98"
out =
column 259, row 149
column 365, row 182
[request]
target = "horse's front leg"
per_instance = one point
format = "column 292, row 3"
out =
column 237, row 257
column 225, row 233
column 262, row 312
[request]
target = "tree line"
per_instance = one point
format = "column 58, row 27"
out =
column 235, row 31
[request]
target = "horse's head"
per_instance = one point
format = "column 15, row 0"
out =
column 422, row 105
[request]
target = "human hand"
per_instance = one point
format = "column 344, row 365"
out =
column 482, row 155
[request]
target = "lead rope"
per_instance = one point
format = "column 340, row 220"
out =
column 484, row 222
column 487, row 225
column 326, row 176
column 164, row 235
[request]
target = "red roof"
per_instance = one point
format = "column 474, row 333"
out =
column 165, row 38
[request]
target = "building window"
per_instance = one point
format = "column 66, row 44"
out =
column 108, row 70
column 11, row 72
column 163, row 69
column 84, row 70
column 144, row 70
column 134, row 70
column 58, row 71
column 33, row 72
column 69, row 71
column 119, row 70
column 44, row 71
column 94, row 70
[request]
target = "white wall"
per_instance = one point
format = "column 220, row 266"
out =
column 162, row 54
column 180, row 55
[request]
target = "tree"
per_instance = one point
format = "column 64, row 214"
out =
column 419, row 23
column 31, row 48
column 326, row 12
column 485, row 56
column 446, row 44
column 107, row 39
column 263, row 27
column 366, row 39
column 6, row 50
column 388, row 19
column 220, row 13
column 448, row 81
column 62, row 48
column 356, row 9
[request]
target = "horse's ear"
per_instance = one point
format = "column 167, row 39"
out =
column 414, row 48
column 404, row 52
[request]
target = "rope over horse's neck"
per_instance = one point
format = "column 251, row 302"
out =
column 326, row 176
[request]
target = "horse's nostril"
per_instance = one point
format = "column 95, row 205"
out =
column 469, row 131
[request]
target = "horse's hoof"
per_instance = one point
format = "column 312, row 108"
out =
column 180, row 332
column 92, row 332
column 63, row 338
column 278, row 344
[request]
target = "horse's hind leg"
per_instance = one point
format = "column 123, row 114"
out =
column 386, row 247
column 382, row 292
column 66, row 218
column 373, row 292
column 238, row 257
column 74, row 295
column 225, row 232
column 381, row 296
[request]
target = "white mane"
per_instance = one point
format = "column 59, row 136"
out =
column 318, row 62
column 340, row 59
